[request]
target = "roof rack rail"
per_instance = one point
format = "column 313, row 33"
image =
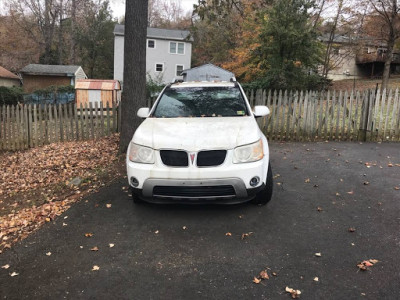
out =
column 176, row 80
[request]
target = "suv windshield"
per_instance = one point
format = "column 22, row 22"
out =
column 201, row 102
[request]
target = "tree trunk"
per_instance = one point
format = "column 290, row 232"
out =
column 388, row 61
column 73, row 33
column 134, row 83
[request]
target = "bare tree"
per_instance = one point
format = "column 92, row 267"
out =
column 134, row 86
column 388, row 11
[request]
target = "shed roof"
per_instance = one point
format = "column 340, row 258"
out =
column 50, row 70
column 97, row 84
column 159, row 33
column 4, row 73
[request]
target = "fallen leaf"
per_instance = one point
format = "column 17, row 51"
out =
column 108, row 205
column 364, row 265
column 318, row 254
column 274, row 274
column 48, row 219
column 337, row 194
column 111, row 245
column 14, row 274
column 264, row 274
column 94, row 249
column 366, row 183
column 228, row 234
column 390, row 165
column 307, row 180
column 397, row 188
column 256, row 280
column 89, row 234
column 350, row 193
column 319, row 208
column 156, row 232
column 48, row 253
column 64, row 224
column 184, row 227
column 5, row 266
column 245, row 235
column 316, row 279
column 294, row 293
column 351, row 229
column 95, row 268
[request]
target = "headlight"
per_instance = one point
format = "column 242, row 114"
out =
column 248, row 153
column 141, row 154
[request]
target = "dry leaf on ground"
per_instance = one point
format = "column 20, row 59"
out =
column 294, row 293
column 364, row 265
column 95, row 268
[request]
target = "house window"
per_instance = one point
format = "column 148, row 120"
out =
column 159, row 67
column 179, row 69
column 176, row 48
column 151, row 43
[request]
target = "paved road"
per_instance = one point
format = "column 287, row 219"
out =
column 155, row 257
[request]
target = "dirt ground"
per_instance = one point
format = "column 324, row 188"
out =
column 363, row 84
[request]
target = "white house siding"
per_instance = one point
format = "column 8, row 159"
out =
column 160, row 55
column 119, row 58
column 157, row 55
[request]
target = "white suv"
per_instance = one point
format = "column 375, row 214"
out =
column 200, row 143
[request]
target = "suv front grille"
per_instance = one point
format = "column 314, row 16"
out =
column 211, row 158
column 174, row 158
column 194, row 191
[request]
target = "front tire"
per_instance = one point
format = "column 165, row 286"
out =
column 264, row 196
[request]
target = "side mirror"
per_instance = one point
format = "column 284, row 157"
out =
column 143, row 112
column 261, row 111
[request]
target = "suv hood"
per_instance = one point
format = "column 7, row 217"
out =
column 195, row 134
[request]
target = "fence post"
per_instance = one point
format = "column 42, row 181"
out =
column 362, row 133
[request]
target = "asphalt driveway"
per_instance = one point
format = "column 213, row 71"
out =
column 213, row 252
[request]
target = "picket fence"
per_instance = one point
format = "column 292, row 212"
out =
column 28, row 126
column 369, row 115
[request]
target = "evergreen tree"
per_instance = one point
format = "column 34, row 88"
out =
column 289, row 51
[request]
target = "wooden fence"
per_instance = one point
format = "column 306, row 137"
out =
column 295, row 116
column 27, row 126
column 332, row 115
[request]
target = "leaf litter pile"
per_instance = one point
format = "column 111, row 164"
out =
column 39, row 184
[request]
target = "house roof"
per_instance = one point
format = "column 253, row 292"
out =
column 159, row 33
column 4, row 73
column 57, row 70
column 97, row 84
column 207, row 66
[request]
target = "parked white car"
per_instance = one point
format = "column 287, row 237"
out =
column 200, row 143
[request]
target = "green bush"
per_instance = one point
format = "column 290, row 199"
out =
column 10, row 95
column 55, row 89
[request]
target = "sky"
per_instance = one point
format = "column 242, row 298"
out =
column 118, row 6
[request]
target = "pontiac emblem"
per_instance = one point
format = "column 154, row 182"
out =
column 192, row 155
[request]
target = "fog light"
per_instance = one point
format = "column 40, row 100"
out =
column 255, row 181
column 134, row 182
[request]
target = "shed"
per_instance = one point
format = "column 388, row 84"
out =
column 36, row 76
column 8, row 79
column 97, row 91
column 207, row 72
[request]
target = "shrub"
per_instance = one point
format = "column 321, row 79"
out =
column 10, row 95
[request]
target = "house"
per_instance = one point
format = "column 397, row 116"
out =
column 356, row 58
column 168, row 53
column 35, row 76
column 207, row 72
column 8, row 79
column 97, row 91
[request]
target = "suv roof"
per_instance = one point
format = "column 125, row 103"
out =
column 202, row 84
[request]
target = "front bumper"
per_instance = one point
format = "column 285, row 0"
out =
column 196, row 191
